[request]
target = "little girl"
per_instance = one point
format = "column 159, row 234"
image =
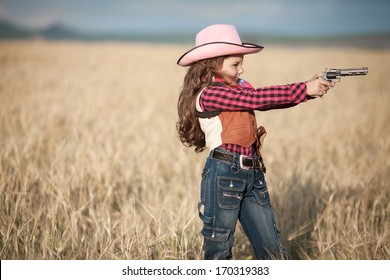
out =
column 216, row 110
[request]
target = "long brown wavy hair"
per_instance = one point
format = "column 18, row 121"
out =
column 199, row 75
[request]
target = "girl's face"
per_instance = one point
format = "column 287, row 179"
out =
column 231, row 69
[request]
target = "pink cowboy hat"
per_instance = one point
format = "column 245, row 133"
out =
column 217, row 40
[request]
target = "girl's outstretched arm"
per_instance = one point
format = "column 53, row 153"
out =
column 217, row 97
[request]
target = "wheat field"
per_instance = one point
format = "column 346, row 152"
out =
column 91, row 166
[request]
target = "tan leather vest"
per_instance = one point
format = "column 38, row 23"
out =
column 238, row 128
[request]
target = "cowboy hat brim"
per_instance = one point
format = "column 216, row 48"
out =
column 215, row 49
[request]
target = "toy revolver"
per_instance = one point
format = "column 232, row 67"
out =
column 334, row 75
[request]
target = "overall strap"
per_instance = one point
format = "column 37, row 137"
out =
column 208, row 114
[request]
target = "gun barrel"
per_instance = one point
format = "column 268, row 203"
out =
column 354, row 71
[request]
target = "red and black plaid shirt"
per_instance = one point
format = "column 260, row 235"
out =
column 245, row 98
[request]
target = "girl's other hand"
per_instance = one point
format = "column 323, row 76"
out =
column 318, row 87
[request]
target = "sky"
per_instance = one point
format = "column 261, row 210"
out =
column 276, row 17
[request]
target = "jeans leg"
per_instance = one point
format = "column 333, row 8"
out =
column 221, row 196
column 258, row 222
column 219, row 239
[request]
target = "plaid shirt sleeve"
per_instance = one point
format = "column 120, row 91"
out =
column 246, row 98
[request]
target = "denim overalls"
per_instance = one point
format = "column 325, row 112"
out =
column 228, row 193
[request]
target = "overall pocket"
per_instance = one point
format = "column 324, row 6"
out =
column 230, row 192
column 215, row 234
column 260, row 191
